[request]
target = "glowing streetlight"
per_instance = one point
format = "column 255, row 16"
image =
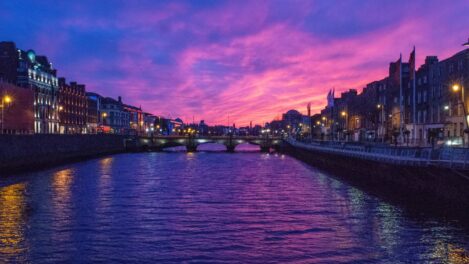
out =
column 344, row 115
column 446, row 107
column 5, row 100
column 378, row 106
column 456, row 88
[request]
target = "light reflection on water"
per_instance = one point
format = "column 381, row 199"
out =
column 12, row 221
column 210, row 207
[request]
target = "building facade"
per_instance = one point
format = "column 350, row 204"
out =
column 136, row 123
column 17, row 112
column 34, row 72
column 72, row 108
column 114, row 118
column 93, row 116
column 422, row 107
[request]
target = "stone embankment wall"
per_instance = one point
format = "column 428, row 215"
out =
column 436, row 189
column 27, row 152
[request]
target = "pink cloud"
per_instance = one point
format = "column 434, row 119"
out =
column 254, row 61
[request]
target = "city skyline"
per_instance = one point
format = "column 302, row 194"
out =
column 251, row 62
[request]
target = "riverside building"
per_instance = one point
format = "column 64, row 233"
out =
column 416, row 107
column 30, row 71
column 72, row 108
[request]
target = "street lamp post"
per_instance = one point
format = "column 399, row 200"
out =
column 345, row 115
column 381, row 108
column 5, row 100
column 104, row 115
column 456, row 87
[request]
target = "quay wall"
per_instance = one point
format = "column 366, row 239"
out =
column 430, row 188
column 28, row 152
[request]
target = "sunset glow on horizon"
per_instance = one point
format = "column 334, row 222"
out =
column 231, row 61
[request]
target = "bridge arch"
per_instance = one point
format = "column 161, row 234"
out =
column 191, row 143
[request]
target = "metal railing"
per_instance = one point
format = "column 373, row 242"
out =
column 449, row 157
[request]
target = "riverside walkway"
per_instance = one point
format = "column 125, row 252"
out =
column 456, row 158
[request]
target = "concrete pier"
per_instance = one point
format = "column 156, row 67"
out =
column 28, row 152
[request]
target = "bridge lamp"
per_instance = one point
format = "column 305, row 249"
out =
column 446, row 107
column 456, row 88
column 378, row 106
column 343, row 113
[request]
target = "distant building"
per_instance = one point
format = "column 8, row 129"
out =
column 292, row 119
column 428, row 115
column 135, row 118
column 31, row 71
column 93, row 116
column 72, row 106
column 451, row 72
column 203, row 128
column 114, row 118
column 149, row 124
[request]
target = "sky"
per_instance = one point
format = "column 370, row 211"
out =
column 231, row 61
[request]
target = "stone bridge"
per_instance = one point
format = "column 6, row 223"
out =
column 191, row 142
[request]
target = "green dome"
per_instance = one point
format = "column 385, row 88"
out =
column 31, row 55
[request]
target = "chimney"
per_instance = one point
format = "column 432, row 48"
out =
column 119, row 99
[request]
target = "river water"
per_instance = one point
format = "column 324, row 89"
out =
column 245, row 207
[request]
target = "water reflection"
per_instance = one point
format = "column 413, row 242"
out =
column 12, row 220
column 210, row 207
column 61, row 183
column 452, row 253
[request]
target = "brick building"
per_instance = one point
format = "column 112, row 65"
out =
column 72, row 107
column 28, row 70
column 17, row 111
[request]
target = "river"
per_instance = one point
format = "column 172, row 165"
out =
column 210, row 206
